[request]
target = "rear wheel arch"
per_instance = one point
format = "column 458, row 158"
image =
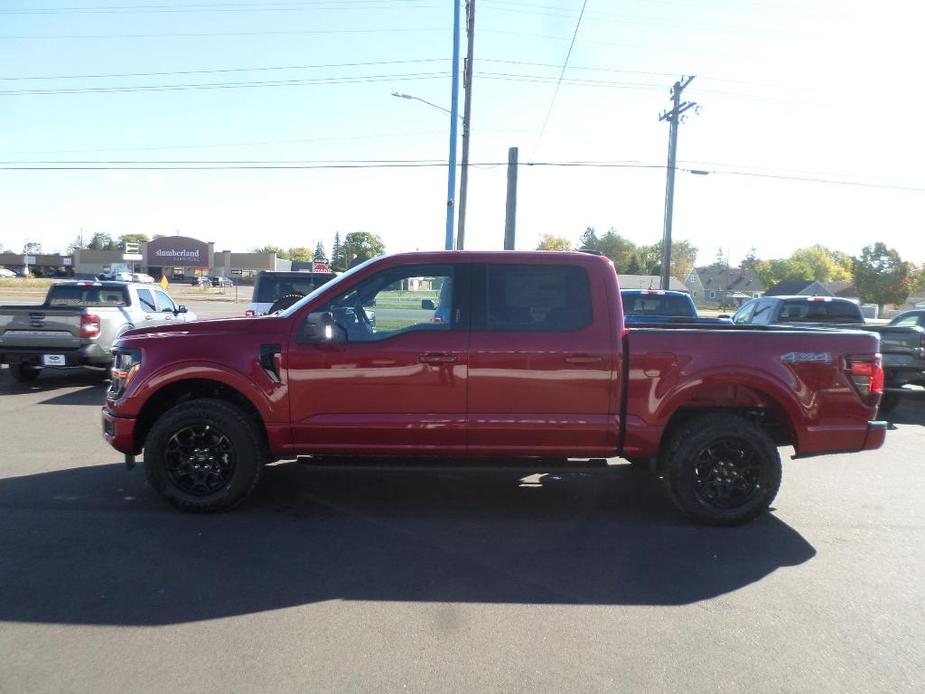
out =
column 758, row 406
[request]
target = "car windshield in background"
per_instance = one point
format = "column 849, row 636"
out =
column 655, row 305
column 811, row 311
column 77, row 295
column 271, row 288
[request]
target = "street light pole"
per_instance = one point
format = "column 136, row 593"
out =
column 454, row 111
column 467, row 121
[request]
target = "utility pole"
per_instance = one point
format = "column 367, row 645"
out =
column 454, row 116
column 467, row 120
column 510, row 208
column 673, row 117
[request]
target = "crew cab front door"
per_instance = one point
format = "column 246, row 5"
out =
column 394, row 379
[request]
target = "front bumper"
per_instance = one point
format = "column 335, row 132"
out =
column 119, row 432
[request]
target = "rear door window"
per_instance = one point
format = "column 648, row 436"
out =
column 532, row 298
column 744, row 315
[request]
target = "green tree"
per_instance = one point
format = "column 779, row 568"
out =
column 360, row 246
column 751, row 261
column 554, row 243
column 131, row 238
column 337, row 253
column 881, row 276
column 101, row 241
column 300, row 253
column 620, row 250
column 633, row 268
column 320, row 253
column 683, row 257
column 588, row 239
column 32, row 248
column 280, row 253
column 720, row 262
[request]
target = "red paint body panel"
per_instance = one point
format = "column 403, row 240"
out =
column 505, row 393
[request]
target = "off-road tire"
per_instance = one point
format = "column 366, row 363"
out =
column 708, row 443
column 24, row 373
column 285, row 301
column 243, row 436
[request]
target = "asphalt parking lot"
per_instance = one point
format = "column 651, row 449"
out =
column 359, row 580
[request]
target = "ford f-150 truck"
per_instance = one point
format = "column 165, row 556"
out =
column 532, row 360
column 77, row 324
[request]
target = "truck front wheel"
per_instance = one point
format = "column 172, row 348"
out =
column 721, row 469
column 204, row 455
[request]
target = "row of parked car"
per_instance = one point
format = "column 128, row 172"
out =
column 902, row 341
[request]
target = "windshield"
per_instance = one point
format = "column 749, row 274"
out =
column 812, row 311
column 78, row 295
column 656, row 305
column 336, row 281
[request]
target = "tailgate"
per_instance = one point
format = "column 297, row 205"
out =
column 40, row 328
column 902, row 346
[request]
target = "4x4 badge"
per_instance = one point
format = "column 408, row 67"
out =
column 807, row 358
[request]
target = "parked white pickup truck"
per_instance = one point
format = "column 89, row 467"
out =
column 77, row 324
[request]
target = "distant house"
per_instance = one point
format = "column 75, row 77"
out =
column 650, row 282
column 813, row 288
column 713, row 286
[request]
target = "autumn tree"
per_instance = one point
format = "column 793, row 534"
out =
column 881, row 276
column 280, row 253
column 554, row 243
column 300, row 254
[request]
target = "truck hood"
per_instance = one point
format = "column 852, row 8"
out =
column 227, row 326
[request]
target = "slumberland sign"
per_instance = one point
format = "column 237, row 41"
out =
column 178, row 250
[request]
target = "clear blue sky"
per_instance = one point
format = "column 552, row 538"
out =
column 809, row 89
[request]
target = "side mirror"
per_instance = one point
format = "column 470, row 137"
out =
column 428, row 305
column 320, row 328
column 724, row 315
column 182, row 309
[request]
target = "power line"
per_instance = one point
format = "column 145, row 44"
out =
column 223, row 7
column 225, row 70
column 555, row 93
column 204, row 165
column 357, row 79
column 201, row 34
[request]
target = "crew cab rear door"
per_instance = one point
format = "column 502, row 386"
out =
column 395, row 380
column 541, row 361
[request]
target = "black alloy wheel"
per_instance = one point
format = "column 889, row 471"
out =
column 727, row 473
column 199, row 459
column 204, row 455
column 721, row 469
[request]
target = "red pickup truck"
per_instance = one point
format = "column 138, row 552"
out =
column 475, row 355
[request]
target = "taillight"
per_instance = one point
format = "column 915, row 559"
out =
column 89, row 326
column 866, row 372
column 249, row 313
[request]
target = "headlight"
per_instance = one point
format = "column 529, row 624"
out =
column 125, row 365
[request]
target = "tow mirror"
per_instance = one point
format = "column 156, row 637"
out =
column 182, row 309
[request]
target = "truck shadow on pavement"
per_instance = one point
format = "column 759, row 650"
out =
column 94, row 545
column 910, row 411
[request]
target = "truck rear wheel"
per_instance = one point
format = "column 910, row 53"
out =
column 24, row 373
column 721, row 469
column 204, row 455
